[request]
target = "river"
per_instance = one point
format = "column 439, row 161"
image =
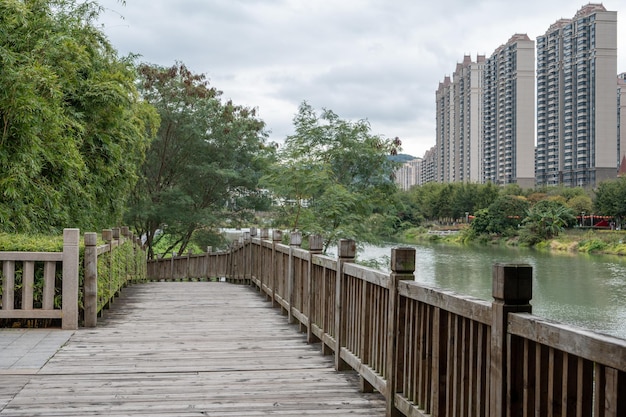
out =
column 585, row 290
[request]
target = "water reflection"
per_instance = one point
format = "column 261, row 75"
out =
column 588, row 291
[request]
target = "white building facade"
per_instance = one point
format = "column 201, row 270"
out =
column 409, row 174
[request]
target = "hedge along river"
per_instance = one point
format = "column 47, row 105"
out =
column 585, row 290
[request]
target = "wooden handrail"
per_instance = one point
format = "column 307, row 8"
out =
column 431, row 351
column 99, row 289
column 131, row 267
column 68, row 313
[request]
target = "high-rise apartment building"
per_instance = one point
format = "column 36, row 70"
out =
column 576, row 104
column 485, row 118
column 429, row 166
column 459, row 124
column 409, row 174
column 621, row 118
column 509, row 114
column 468, row 89
column 445, row 131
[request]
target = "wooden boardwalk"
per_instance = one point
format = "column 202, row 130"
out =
column 189, row 349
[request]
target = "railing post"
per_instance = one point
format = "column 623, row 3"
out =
column 264, row 263
column 174, row 254
column 402, row 268
column 115, row 280
column 512, row 292
column 208, row 262
column 315, row 247
column 346, row 253
column 107, row 236
column 187, row 274
column 229, row 262
column 133, row 262
column 91, row 279
column 245, row 253
column 295, row 240
column 125, row 233
column 277, row 237
column 251, row 258
column 71, row 238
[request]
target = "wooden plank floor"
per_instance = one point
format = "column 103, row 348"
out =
column 189, row 349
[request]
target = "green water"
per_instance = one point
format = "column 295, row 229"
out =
column 584, row 290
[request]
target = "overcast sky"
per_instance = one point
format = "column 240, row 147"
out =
column 380, row 60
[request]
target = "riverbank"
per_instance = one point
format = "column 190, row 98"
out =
column 589, row 241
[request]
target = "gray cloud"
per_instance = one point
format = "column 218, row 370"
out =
column 378, row 60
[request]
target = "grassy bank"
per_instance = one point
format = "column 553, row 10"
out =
column 609, row 242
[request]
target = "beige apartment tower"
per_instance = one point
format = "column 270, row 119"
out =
column 577, row 137
column 459, row 123
column 621, row 119
column 485, row 118
column 509, row 114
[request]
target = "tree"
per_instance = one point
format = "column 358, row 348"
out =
column 436, row 201
column 546, row 220
column 611, row 199
column 424, row 199
column 203, row 167
column 74, row 130
column 503, row 216
column 332, row 175
column 580, row 203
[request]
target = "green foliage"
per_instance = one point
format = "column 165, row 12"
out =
column 332, row 177
column 126, row 263
column 502, row 217
column 434, row 201
column 116, row 269
column 580, row 203
column 545, row 220
column 203, row 167
column 481, row 221
column 567, row 193
column 204, row 238
column 166, row 245
column 512, row 190
column 30, row 243
column 611, row 198
column 592, row 245
column 73, row 128
column 411, row 235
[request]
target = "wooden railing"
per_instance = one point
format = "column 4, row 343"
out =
column 66, row 307
column 109, row 267
column 210, row 265
column 429, row 351
column 75, row 290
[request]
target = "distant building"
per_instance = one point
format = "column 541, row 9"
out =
column 409, row 174
column 429, row 166
column 468, row 88
column 621, row 119
column 485, row 118
column 576, row 105
column 509, row 114
column 445, row 146
column 459, row 124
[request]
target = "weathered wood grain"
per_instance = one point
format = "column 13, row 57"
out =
column 188, row 349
